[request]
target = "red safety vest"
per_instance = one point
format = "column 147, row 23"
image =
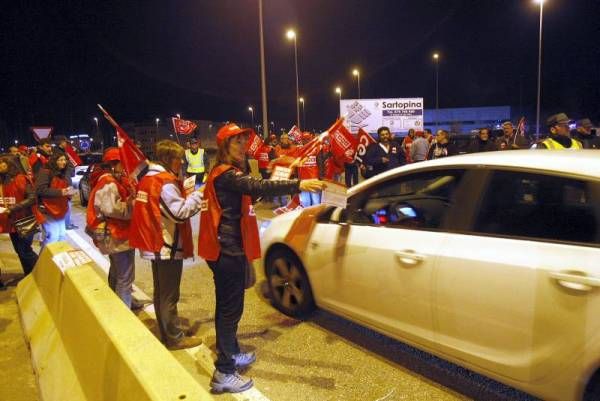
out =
column 262, row 156
column 55, row 207
column 119, row 229
column 309, row 169
column 145, row 231
column 210, row 218
column 13, row 193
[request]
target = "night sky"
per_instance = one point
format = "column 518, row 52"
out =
column 147, row 59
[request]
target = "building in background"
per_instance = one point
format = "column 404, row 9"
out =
column 466, row 119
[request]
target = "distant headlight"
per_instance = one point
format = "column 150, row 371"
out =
column 263, row 227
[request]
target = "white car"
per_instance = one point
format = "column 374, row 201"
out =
column 87, row 160
column 490, row 260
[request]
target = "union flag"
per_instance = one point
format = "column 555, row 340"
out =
column 183, row 127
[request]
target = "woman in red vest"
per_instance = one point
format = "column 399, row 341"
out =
column 229, row 240
column 160, row 229
column 108, row 218
column 53, row 189
column 16, row 199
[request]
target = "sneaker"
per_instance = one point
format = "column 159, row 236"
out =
column 230, row 382
column 244, row 359
column 185, row 342
column 2, row 286
column 138, row 305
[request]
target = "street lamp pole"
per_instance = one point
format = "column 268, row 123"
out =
column 338, row 90
column 157, row 121
column 301, row 100
column 356, row 73
column 291, row 34
column 251, row 110
column 436, row 59
column 263, row 79
column 539, row 73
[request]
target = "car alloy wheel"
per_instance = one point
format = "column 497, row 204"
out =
column 288, row 284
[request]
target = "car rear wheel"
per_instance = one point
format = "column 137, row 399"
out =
column 288, row 284
column 82, row 199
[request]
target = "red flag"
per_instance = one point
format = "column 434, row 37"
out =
column 73, row 156
column 295, row 134
column 364, row 140
column 183, row 127
column 293, row 204
column 343, row 143
column 255, row 143
column 134, row 161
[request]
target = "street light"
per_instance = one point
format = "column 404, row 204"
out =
column 356, row 73
column 178, row 115
column 98, row 135
column 301, row 100
column 436, row 59
column 251, row 110
column 338, row 90
column 539, row 72
column 157, row 121
column 291, row 35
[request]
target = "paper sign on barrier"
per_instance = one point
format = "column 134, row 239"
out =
column 335, row 195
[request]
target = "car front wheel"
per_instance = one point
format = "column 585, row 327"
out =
column 288, row 284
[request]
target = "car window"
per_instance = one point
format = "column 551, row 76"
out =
column 540, row 206
column 417, row 201
column 90, row 158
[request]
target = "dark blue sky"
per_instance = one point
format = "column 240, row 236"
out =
column 143, row 59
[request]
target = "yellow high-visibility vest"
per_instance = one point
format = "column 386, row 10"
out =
column 551, row 144
column 195, row 161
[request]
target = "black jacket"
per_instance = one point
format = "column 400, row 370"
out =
column 477, row 145
column 42, row 184
column 374, row 158
column 229, row 187
column 588, row 141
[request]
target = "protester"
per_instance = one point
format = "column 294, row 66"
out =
column 61, row 149
column 383, row 155
column 108, row 221
column 510, row 139
column 586, row 135
column 309, row 169
column 197, row 161
column 264, row 155
column 419, row 147
column 229, row 241
column 53, row 189
column 482, row 142
column 285, row 146
column 20, row 153
column 559, row 137
column 441, row 147
column 429, row 136
column 39, row 158
column 160, row 229
column 16, row 200
column 407, row 143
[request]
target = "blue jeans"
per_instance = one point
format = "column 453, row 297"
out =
column 68, row 215
column 53, row 230
column 310, row 198
column 121, row 274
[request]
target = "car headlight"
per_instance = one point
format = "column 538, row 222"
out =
column 263, row 227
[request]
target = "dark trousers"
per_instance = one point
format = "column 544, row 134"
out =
column 229, row 275
column 351, row 174
column 167, row 277
column 26, row 255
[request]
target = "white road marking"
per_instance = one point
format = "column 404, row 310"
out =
column 202, row 354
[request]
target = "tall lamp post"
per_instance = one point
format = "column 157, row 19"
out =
column 291, row 35
column 98, row 135
column 338, row 90
column 436, row 59
column 539, row 72
column 251, row 110
column 301, row 100
column 356, row 73
column 157, row 121
column 263, row 80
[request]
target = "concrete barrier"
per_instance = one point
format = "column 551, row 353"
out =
column 86, row 344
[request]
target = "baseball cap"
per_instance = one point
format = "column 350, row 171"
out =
column 559, row 118
column 229, row 130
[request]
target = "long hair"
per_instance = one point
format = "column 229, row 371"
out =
column 224, row 157
column 53, row 167
column 10, row 161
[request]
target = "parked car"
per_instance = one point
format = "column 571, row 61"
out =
column 87, row 160
column 87, row 178
column 488, row 260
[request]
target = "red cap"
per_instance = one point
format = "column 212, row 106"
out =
column 111, row 154
column 22, row 148
column 229, row 130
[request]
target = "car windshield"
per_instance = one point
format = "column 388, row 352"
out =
column 90, row 158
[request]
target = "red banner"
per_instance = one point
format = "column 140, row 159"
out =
column 255, row 143
column 293, row 204
column 295, row 135
column 343, row 143
column 73, row 156
column 134, row 161
column 183, row 127
column 364, row 140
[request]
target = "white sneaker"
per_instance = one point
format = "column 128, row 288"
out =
column 244, row 359
column 229, row 382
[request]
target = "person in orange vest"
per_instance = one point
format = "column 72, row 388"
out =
column 229, row 240
column 16, row 199
column 160, row 229
column 108, row 217
column 309, row 169
column 53, row 189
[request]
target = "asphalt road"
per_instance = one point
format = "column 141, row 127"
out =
column 322, row 358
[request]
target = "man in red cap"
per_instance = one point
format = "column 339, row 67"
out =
column 108, row 220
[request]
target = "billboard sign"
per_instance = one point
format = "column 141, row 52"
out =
column 398, row 114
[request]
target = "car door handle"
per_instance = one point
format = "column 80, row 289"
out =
column 576, row 280
column 408, row 257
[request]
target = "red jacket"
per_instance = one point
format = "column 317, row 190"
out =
column 12, row 194
column 262, row 156
column 119, row 229
column 146, row 228
column 209, row 247
column 55, row 207
column 309, row 169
